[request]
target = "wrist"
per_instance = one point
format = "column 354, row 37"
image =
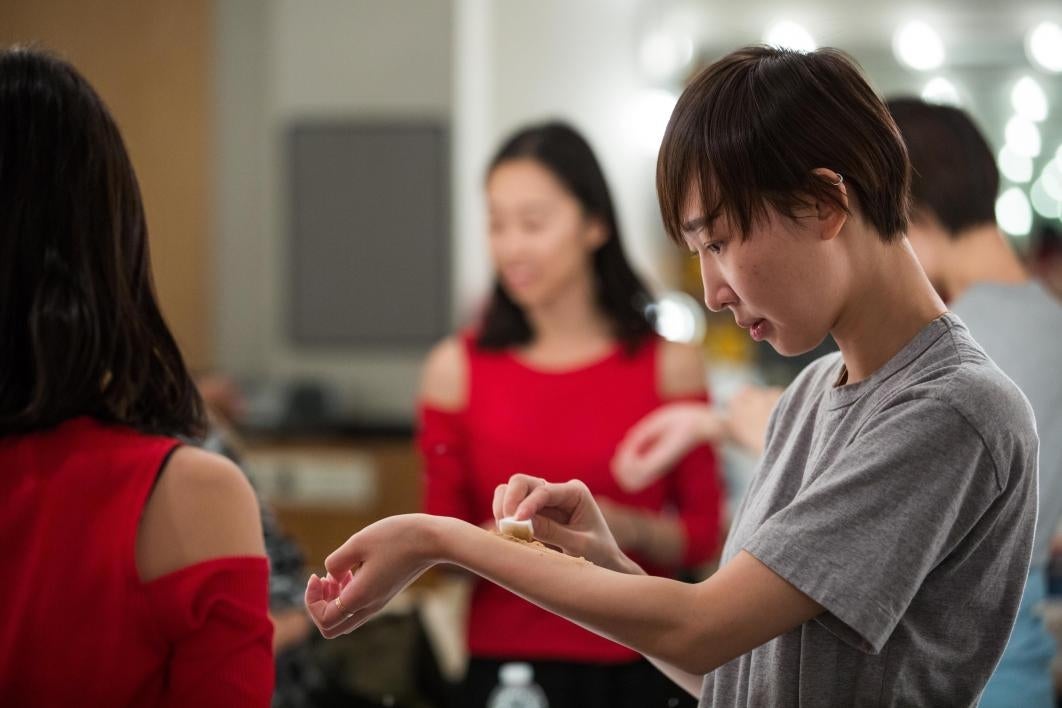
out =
column 439, row 533
column 713, row 426
column 622, row 564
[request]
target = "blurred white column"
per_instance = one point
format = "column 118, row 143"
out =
column 470, row 149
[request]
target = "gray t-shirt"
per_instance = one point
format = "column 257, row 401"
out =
column 1020, row 327
column 904, row 504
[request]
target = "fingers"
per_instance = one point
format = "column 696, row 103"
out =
column 642, row 433
column 496, row 505
column 348, row 625
column 553, row 532
column 648, row 451
column 518, row 488
column 332, row 618
column 327, row 610
column 562, row 498
column 322, row 594
column 340, row 561
column 314, row 590
column 634, row 473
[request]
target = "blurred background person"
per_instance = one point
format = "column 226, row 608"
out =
column 141, row 575
column 954, row 232
column 1046, row 261
column 562, row 363
column 667, row 434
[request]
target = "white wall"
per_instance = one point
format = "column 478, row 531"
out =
column 280, row 60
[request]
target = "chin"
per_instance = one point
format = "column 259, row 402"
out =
column 525, row 299
column 790, row 347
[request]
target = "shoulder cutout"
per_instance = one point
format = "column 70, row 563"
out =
column 202, row 507
column 444, row 378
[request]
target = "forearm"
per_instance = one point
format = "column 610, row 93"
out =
column 648, row 614
column 689, row 682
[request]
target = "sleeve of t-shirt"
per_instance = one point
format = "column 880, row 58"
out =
column 865, row 531
column 441, row 443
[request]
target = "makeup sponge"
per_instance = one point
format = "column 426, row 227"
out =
column 523, row 530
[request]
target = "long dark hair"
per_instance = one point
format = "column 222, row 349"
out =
column 621, row 295
column 80, row 329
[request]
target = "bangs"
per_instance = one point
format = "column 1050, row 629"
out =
column 705, row 148
column 753, row 130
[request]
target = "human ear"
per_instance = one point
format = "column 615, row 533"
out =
column 596, row 233
column 830, row 215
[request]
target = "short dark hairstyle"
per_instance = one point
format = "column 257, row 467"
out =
column 621, row 295
column 80, row 329
column 954, row 176
column 753, row 126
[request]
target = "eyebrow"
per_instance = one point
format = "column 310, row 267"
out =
column 694, row 225
column 701, row 222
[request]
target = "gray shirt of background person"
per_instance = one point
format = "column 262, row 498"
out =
column 904, row 504
column 1020, row 327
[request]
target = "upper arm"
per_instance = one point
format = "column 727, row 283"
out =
column 680, row 372
column 444, row 378
column 202, row 507
column 937, row 474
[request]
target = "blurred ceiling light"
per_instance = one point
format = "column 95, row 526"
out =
column 678, row 318
column 664, row 55
column 789, row 35
column 1051, row 178
column 941, row 91
column 1043, row 203
column 918, row 46
column 1023, row 137
column 649, row 116
column 1013, row 213
column 1043, row 44
column 1029, row 100
column 1017, row 168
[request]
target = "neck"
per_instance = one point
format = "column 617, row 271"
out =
column 571, row 317
column 980, row 255
column 891, row 301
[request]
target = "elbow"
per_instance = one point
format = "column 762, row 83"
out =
column 695, row 661
column 693, row 649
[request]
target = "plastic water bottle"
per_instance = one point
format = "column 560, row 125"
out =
column 517, row 689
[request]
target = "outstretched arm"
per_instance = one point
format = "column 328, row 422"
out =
column 695, row 628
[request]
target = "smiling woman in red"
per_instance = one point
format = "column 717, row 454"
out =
column 564, row 362
column 137, row 573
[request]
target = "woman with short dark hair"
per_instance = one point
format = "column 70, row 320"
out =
column 880, row 552
column 138, row 575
